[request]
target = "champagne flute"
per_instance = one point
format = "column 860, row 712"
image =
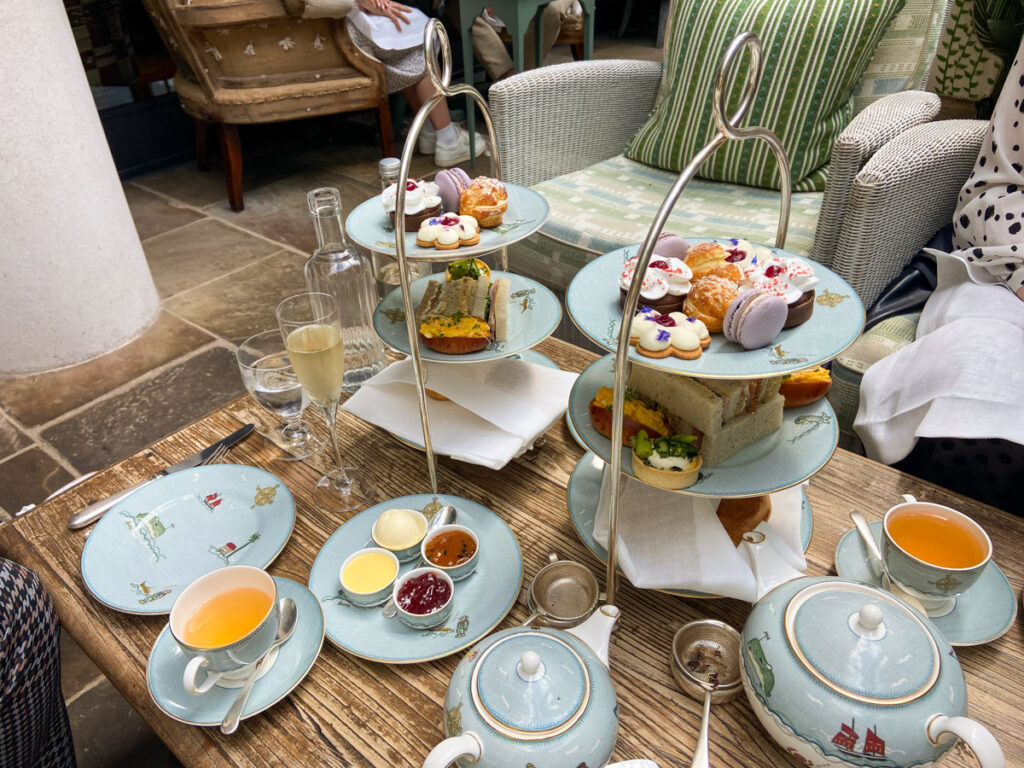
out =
column 312, row 335
column 270, row 378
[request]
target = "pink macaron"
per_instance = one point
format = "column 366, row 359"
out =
column 754, row 319
column 671, row 246
column 450, row 185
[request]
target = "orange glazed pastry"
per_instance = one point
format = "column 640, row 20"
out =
column 708, row 300
column 486, row 200
column 706, row 259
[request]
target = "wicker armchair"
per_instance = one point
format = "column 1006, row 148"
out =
column 562, row 129
column 258, row 61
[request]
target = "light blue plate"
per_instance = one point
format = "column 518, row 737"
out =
column 593, row 304
column 167, row 663
column 164, row 536
column 534, row 313
column 369, row 225
column 982, row 614
column 482, row 600
column 585, row 493
column 790, row 455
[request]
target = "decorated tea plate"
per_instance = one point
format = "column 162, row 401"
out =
column 154, row 543
column 585, row 493
column 534, row 313
column 593, row 305
column 369, row 225
column 295, row 658
column 790, row 455
column 982, row 614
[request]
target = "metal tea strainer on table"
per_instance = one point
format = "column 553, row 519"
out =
column 706, row 664
column 562, row 594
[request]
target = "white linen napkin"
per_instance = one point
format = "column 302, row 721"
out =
column 381, row 30
column 497, row 409
column 672, row 541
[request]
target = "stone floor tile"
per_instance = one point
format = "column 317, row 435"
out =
column 200, row 252
column 280, row 212
column 43, row 397
column 108, row 733
column 154, row 215
column 360, row 161
column 11, row 438
column 28, row 478
column 77, row 671
column 113, row 429
column 237, row 306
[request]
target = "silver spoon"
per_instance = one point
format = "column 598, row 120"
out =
column 876, row 562
column 443, row 516
column 286, row 613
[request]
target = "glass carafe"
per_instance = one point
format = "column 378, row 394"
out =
column 340, row 270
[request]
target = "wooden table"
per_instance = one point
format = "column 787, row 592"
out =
column 352, row 712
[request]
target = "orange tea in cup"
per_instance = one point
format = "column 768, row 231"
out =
column 226, row 617
column 941, row 540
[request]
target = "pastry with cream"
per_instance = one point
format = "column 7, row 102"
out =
column 670, row 462
column 666, row 282
column 448, row 232
column 486, row 200
column 709, row 299
column 787, row 277
column 659, row 335
column 422, row 201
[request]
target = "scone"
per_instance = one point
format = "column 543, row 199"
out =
column 486, row 200
column 709, row 299
column 741, row 515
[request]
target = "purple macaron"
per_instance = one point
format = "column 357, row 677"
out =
column 754, row 319
column 450, row 185
column 671, row 246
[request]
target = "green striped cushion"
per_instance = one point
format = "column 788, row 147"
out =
column 815, row 52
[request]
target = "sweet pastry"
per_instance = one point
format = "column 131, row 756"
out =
column 639, row 414
column 660, row 335
column 422, row 201
column 738, row 516
column 448, row 232
column 464, row 315
column 724, row 414
column 710, row 259
column 486, row 200
column 790, row 278
column 666, row 282
column 671, row 246
column 672, row 462
column 805, row 387
column 451, row 183
column 754, row 318
column 709, row 299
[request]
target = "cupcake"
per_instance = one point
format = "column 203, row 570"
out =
column 422, row 202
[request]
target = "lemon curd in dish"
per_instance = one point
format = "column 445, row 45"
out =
column 227, row 617
column 369, row 572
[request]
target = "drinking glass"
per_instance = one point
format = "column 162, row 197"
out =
column 270, row 378
column 312, row 334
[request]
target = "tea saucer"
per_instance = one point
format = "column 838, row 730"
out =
column 982, row 614
column 295, row 658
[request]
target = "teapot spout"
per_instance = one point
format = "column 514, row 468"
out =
column 597, row 630
column 770, row 569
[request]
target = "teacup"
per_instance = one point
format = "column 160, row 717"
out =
column 933, row 552
column 368, row 575
column 437, row 614
column 453, row 536
column 224, row 622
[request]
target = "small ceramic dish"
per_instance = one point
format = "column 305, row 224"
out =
column 436, row 615
column 411, row 552
column 376, row 596
column 461, row 570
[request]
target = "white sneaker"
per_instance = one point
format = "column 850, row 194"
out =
column 446, row 157
column 427, row 142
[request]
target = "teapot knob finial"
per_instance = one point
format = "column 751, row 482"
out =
column 530, row 667
column 870, row 616
column 867, row 622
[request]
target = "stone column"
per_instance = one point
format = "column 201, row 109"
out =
column 74, row 282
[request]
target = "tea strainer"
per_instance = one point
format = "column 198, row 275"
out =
column 706, row 662
column 562, row 594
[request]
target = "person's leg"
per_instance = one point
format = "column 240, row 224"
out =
column 489, row 49
column 34, row 729
column 552, row 22
column 450, row 144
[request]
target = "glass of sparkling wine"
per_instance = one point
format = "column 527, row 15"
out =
column 312, row 333
column 270, row 378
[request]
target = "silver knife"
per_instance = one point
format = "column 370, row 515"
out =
column 93, row 512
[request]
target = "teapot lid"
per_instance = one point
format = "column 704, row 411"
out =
column 530, row 686
column 862, row 642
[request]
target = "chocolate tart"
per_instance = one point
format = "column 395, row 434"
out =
column 664, row 305
column 800, row 310
column 413, row 220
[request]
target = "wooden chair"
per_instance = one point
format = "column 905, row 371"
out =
column 258, row 61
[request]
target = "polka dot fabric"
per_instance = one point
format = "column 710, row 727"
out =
column 34, row 730
column 988, row 226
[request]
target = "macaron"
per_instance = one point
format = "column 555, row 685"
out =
column 754, row 318
column 450, row 185
column 671, row 245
